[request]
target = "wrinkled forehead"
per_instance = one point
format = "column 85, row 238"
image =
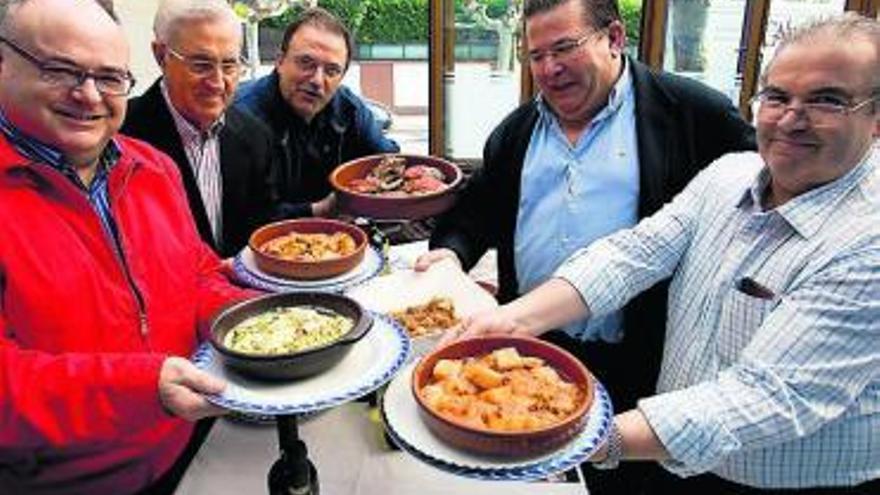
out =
column 201, row 29
column 825, row 60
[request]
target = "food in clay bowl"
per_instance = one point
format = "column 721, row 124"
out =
column 395, row 186
column 288, row 336
column 308, row 248
column 502, row 395
column 426, row 323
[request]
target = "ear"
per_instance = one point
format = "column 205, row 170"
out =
column 617, row 37
column 158, row 49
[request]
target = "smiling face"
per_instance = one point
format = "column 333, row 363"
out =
column 201, row 98
column 801, row 154
column 575, row 85
column 77, row 121
column 308, row 71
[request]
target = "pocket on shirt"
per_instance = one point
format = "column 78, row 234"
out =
column 741, row 316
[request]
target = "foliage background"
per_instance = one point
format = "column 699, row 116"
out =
column 406, row 21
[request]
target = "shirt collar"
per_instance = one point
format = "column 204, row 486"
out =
column 37, row 151
column 621, row 90
column 807, row 212
column 191, row 132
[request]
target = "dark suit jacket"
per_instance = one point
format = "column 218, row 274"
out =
column 681, row 127
column 246, row 163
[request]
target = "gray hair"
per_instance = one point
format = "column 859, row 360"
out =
column 841, row 28
column 172, row 15
column 8, row 7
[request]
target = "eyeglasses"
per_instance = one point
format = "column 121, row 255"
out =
column 820, row 109
column 205, row 66
column 107, row 81
column 560, row 50
column 309, row 64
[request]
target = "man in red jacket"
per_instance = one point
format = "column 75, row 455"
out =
column 104, row 282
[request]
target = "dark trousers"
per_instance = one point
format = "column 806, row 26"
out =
column 167, row 483
column 662, row 482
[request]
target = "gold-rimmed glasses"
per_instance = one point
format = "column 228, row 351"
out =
column 820, row 109
column 560, row 50
column 202, row 66
column 310, row 64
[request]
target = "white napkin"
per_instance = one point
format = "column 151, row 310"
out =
column 405, row 288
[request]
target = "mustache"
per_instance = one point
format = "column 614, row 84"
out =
column 310, row 87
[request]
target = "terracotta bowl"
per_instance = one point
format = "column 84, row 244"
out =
column 503, row 443
column 294, row 365
column 397, row 208
column 307, row 270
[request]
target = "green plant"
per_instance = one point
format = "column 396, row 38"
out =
column 371, row 21
column 631, row 12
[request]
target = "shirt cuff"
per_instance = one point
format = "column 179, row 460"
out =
column 686, row 423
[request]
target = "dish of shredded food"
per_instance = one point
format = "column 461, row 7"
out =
column 437, row 315
column 501, row 391
column 296, row 246
column 287, row 330
column 392, row 177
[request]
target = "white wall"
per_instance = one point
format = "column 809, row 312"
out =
column 137, row 20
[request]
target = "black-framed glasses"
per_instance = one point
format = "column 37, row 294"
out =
column 107, row 81
column 820, row 109
column 202, row 66
column 560, row 50
column 310, row 64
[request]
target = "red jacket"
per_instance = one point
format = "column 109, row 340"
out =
column 79, row 355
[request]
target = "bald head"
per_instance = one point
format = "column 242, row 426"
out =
column 846, row 32
column 8, row 7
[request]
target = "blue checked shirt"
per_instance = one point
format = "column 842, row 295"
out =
column 97, row 190
column 780, row 388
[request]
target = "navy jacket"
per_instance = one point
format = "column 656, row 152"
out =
column 344, row 130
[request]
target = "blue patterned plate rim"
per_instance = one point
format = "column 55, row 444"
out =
column 572, row 454
column 205, row 356
column 373, row 260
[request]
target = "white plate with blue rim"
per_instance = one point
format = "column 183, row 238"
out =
column 405, row 427
column 371, row 363
column 245, row 268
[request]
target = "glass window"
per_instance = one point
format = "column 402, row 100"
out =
column 389, row 69
column 482, row 84
column 631, row 13
column 787, row 14
column 703, row 40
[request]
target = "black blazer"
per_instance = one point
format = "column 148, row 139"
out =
column 246, row 163
column 681, row 127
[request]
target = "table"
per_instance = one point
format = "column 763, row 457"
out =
column 346, row 446
column 350, row 454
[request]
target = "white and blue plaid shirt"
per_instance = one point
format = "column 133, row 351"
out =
column 771, row 368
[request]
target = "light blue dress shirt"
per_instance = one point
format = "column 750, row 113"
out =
column 572, row 195
column 777, row 387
